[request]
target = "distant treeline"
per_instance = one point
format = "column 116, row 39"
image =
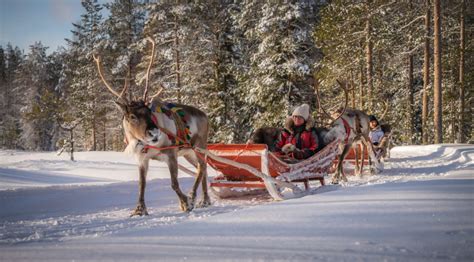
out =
column 247, row 64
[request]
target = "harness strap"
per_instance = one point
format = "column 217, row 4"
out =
column 178, row 116
column 167, row 132
column 348, row 129
column 146, row 147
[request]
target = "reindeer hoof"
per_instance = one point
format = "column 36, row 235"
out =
column 186, row 206
column 205, row 202
column 140, row 210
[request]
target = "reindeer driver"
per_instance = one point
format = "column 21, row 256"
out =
column 298, row 139
column 376, row 132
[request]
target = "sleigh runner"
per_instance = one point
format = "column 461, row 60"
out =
column 253, row 166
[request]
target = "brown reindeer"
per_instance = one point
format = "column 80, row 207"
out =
column 154, row 133
column 351, row 127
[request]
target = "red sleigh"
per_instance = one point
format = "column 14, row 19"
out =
column 247, row 167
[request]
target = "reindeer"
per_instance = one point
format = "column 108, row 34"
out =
column 152, row 134
column 351, row 127
column 265, row 135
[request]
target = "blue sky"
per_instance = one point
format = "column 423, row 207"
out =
column 22, row 22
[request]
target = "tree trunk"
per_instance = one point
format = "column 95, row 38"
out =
column 438, row 103
column 461, row 136
column 177, row 62
column 94, row 135
column 353, row 91
column 71, row 142
column 105, row 134
column 369, row 61
column 411, row 101
column 361, row 90
column 426, row 74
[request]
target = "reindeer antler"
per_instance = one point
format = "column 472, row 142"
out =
column 157, row 93
column 99, row 68
column 149, row 69
column 316, row 87
column 385, row 111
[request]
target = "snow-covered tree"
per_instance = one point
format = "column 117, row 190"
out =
column 10, row 130
column 87, row 40
column 172, row 26
column 282, row 55
column 34, row 86
column 3, row 90
column 211, row 71
column 124, row 29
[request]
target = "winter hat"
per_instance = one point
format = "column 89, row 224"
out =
column 302, row 111
column 373, row 118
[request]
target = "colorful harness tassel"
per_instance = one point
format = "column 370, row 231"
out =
column 180, row 119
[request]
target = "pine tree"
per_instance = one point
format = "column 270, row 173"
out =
column 426, row 71
column 173, row 27
column 210, row 70
column 122, row 54
column 438, row 104
column 88, row 40
column 10, row 124
column 281, row 56
column 32, row 83
column 3, row 94
column 462, row 103
column 124, row 28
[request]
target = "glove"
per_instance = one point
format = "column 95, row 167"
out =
column 288, row 148
column 298, row 154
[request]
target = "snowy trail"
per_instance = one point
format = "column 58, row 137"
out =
column 419, row 208
column 92, row 211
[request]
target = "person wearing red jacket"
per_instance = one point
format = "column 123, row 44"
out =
column 298, row 140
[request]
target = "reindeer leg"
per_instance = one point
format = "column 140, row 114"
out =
column 192, row 194
column 206, row 200
column 194, row 161
column 357, row 166
column 340, row 166
column 362, row 159
column 371, row 155
column 141, row 210
column 201, row 166
column 184, row 202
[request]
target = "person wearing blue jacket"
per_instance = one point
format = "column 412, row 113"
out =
column 376, row 132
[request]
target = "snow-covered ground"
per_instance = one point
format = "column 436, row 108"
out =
column 421, row 208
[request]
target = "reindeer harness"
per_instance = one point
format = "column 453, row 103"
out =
column 180, row 119
column 348, row 128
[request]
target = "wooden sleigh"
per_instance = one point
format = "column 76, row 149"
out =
column 247, row 167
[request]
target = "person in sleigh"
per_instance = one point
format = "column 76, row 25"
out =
column 298, row 140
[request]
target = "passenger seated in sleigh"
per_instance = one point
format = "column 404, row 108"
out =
column 298, row 140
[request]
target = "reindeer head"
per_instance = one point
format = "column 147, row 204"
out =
column 138, row 121
column 137, row 117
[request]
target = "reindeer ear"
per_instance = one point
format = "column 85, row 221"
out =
column 121, row 106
